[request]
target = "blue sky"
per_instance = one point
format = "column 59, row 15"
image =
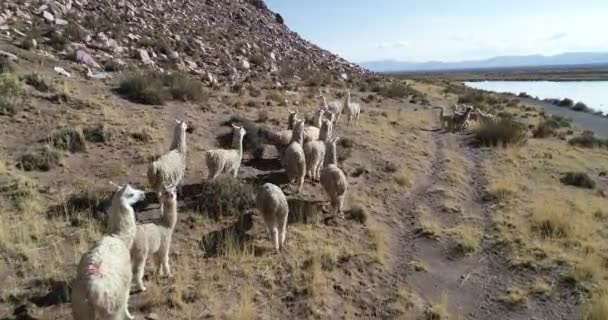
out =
column 447, row 30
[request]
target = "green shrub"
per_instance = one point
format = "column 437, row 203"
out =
column 151, row 87
column 41, row 160
column 545, row 129
column 143, row 87
column 98, row 134
column 397, row 90
column 345, row 149
column 5, row 65
column 578, row 179
column 58, row 41
column 567, row 103
column 38, row 82
column 588, row 140
column 10, row 94
column 226, row 196
column 505, row 132
column 182, row 87
column 471, row 98
column 27, row 43
column 70, row 139
column 581, row 107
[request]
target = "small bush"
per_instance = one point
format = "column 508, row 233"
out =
column 75, row 33
column 279, row 19
column 588, row 140
column 154, row 88
column 58, row 41
column 397, row 90
column 471, row 98
column 262, row 116
column 505, row 132
column 10, row 94
column 142, row 135
column 38, row 82
column 146, row 88
column 5, row 65
column 27, row 43
column 113, row 66
column 567, row 103
column 345, row 149
column 182, row 87
column 578, row 179
column 581, row 107
column 358, row 214
column 70, row 139
column 544, row 129
column 98, row 134
column 524, row 95
column 42, row 160
column 225, row 196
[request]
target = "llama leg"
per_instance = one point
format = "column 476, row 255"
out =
column 158, row 195
column 166, row 264
column 126, row 307
column 275, row 236
column 139, row 265
column 341, row 205
column 283, row 233
column 300, row 183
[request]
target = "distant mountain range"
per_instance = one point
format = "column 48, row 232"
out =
column 564, row 59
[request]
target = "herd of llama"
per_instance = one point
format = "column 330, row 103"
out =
column 108, row 269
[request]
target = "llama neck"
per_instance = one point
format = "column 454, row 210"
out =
column 238, row 144
column 122, row 222
column 298, row 134
column 347, row 100
column 169, row 218
column 179, row 141
column 330, row 155
column 325, row 131
column 325, row 102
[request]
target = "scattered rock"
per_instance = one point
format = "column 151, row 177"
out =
column 245, row 64
column 152, row 316
column 344, row 76
column 61, row 22
column 144, row 57
column 8, row 55
column 97, row 75
column 48, row 16
column 62, row 71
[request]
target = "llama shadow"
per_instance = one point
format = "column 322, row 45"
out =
column 304, row 211
column 233, row 238
column 278, row 178
column 59, row 293
column 265, row 164
column 96, row 206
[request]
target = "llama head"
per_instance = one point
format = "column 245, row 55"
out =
column 181, row 125
column 128, row 195
column 238, row 132
column 169, row 194
column 291, row 120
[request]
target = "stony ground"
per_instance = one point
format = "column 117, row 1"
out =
column 435, row 227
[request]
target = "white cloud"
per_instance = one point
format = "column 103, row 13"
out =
column 557, row 36
column 392, row 45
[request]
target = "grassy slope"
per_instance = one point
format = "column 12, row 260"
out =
column 405, row 176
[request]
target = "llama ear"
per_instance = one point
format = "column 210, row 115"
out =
column 335, row 139
column 115, row 185
column 177, row 121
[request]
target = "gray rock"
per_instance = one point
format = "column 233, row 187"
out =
column 245, row 64
column 145, row 57
column 62, row 71
column 86, row 59
column 174, row 55
column 61, row 22
column 48, row 16
column 8, row 55
column 152, row 316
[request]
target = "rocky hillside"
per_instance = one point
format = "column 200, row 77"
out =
column 220, row 40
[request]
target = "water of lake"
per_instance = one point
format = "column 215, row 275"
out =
column 593, row 93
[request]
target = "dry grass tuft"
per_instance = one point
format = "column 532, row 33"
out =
column 597, row 308
column 378, row 242
column 466, row 239
column 438, row 311
column 549, row 220
column 541, row 287
column 515, row 297
column 503, row 189
column 429, row 226
column 246, row 309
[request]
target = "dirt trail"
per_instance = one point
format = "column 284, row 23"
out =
column 471, row 284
